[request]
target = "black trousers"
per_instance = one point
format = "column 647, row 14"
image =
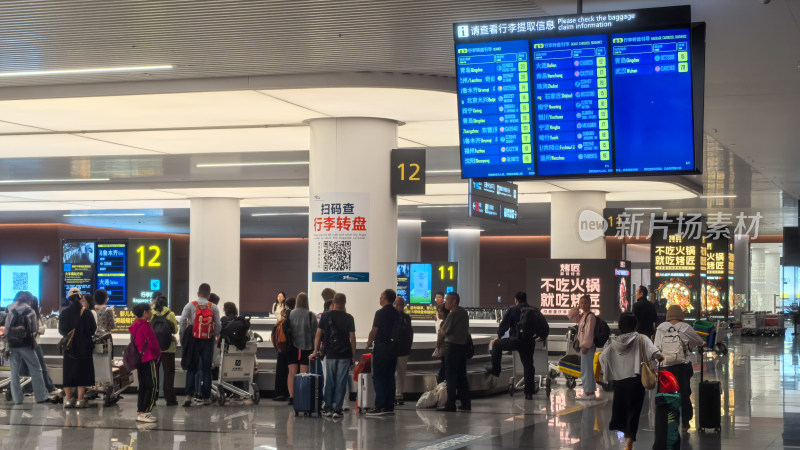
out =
column 440, row 376
column 168, row 369
column 683, row 373
column 627, row 406
column 148, row 386
column 525, row 351
column 282, row 375
column 456, row 376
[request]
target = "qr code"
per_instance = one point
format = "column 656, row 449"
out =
column 19, row 281
column 336, row 256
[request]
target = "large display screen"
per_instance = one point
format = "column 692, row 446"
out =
column 418, row 283
column 111, row 273
column 78, row 259
column 149, row 265
column 15, row 278
column 603, row 94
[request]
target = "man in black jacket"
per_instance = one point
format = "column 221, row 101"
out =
column 646, row 313
column 515, row 342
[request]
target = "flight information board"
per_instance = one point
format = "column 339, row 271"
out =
column 111, row 271
column 602, row 94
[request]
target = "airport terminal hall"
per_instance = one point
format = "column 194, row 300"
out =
column 399, row 224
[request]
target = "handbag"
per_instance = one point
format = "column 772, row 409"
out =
column 132, row 357
column 576, row 345
column 65, row 343
column 649, row 376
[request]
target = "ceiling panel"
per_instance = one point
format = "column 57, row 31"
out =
column 250, row 193
column 215, row 141
column 125, row 112
column 53, row 146
column 438, row 133
column 116, row 195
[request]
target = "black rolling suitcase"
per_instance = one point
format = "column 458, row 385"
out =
column 710, row 396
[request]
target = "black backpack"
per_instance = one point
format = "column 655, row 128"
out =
column 20, row 333
column 601, row 332
column 402, row 336
column 532, row 325
column 163, row 330
column 237, row 331
column 338, row 342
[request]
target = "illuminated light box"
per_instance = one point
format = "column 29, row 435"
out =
column 15, row 278
column 418, row 283
column 601, row 94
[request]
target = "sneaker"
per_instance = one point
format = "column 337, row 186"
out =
column 145, row 417
column 206, row 402
column 375, row 413
column 279, row 398
column 291, row 401
column 326, row 413
column 82, row 404
column 69, row 403
column 399, row 402
column 337, row 415
column 188, row 402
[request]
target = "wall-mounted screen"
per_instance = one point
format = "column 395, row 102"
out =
column 419, row 282
column 601, row 94
column 111, row 273
column 78, row 259
column 15, row 278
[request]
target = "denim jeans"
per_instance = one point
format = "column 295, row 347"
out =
column 205, row 357
column 48, row 382
column 384, row 364
column 336, row 383
column 26, row 356
column 587, row 371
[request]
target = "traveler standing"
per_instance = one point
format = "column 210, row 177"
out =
column 327, row 299
column 105, row 314
column 279, row 305
column 87, row 302
column 405, row 336
column 167, row 360
column 439, row 352
column 204, row 318
column 456, row 336
column 281, row 389
column 645, row 312
column 524, row 345
column 337, row 332
column 621, row 363
column 586, row 320
column 55, row 393
column 21, row 327
column 672, row 339
column 147, row 373
column 78, row 366
column 231, row 312
column 304, row 327
column 384, row 361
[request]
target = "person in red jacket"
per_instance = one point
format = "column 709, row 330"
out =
column 147, row 343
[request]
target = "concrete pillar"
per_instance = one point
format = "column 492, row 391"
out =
column 214, row 247
column 758, row 279
column 464, row 247
column 352, row 155
column 741, row 265
column 409, row 240
column 772, row 269
column 576, row 220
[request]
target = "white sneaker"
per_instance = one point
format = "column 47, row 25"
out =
column 69, row 403
column 145, row 417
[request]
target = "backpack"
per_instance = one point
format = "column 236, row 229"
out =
column 470, row 347
column 237, row 331
column 338, row 342
column 532, row 324
column 402, row 336
column 672, row 348
column 203, row 327
column 163, row 330
column 601, row 332
column 20, row 333
column 282, row 335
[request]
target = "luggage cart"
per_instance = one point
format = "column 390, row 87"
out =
column 749, row 323
column 236, row 365
column 721, row 339
column 5, row 372
column 774, row 324
column 110, row 380
column 517, row 380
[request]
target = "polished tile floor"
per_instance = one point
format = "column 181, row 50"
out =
column 760, row 408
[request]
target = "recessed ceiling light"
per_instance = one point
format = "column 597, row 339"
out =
column 104, row 215
column 644, row 208
column 464, row 229
column 442, row 206
column 31, row 73
column 245, row 164
column 718, row 196
column 411, row 220
column 54, row 180
column 440, row 172
column 279, row 214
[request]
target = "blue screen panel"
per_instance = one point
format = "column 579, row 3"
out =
column 653, row 123
column 15, row 278
column 495, row 109
column 571, row 103
column 111, row 271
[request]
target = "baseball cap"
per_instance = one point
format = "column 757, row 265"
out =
column 74, row 291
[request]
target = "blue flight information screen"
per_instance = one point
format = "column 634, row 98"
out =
column 571, row 100
column 495, row 109
column 653, row 98
column 598, row 94
column 111, row 271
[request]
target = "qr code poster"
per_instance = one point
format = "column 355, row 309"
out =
column 15, row 278
column 339, row 230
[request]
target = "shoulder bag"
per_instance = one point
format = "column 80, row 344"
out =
column 649, row 376
column 65, row 344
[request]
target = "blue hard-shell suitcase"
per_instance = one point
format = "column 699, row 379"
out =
column 308, row 394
